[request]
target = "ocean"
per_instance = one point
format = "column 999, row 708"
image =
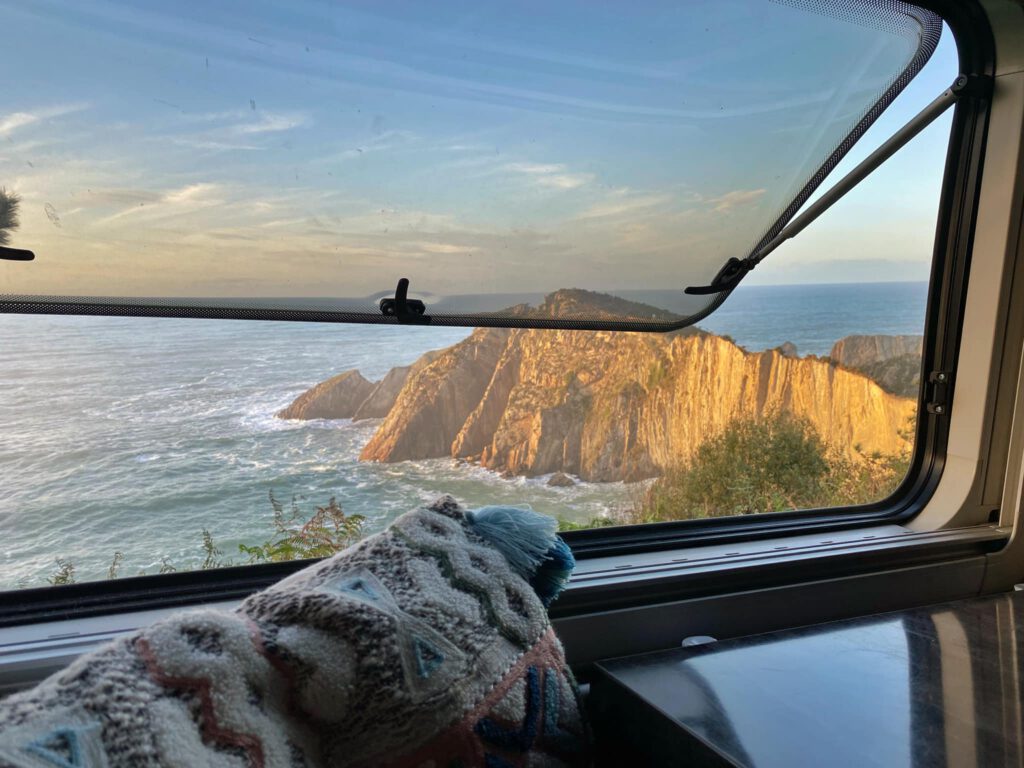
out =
column 133, row 435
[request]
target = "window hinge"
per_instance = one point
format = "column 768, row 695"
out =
column 730, row 275
column 938, row 401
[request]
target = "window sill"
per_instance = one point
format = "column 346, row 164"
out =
column 600, row 585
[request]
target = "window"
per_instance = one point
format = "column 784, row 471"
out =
column 561, row 163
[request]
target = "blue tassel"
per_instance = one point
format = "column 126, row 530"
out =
column 521, row 535
column 554, row 572
column 530, row 544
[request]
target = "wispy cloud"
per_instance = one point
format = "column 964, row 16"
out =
column 15, row 120
column 187, row 198
column 623, row 201
column 735, row 199
column 565, row 180
column 270, row 122
column 442, row 247
column 554, row 175
column 184, row 141
column 189, row 193
column 234, row 130
column 385, row 141
column 535, row 168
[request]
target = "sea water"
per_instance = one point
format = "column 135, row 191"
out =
column 134, row 435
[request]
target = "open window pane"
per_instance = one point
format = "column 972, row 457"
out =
column 139, row 445
column 269, row 160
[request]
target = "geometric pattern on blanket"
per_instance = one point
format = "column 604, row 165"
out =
column 419, row 646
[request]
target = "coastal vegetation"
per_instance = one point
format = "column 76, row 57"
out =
column 772, row 464
column 295, row 537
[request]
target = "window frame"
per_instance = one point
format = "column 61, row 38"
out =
column 943, row 326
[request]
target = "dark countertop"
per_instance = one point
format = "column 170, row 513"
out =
column 936, row 686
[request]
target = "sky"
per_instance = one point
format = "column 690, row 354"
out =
column 327, row 149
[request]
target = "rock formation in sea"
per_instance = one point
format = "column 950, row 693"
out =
column 337, row 398
column 350, row 396
column 605, row 406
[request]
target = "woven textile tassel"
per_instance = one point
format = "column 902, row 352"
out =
column 529, row 542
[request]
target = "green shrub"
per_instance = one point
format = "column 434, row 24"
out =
column 329, row 530
column 594, row 522
column 115, row 564
column 65, row 573
column 771, row 464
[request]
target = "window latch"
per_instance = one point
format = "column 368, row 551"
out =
column 938, row 403
column 407, row 311
column 728, row 277
column 15, row 254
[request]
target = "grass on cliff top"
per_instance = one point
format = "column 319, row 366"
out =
column 771, row 464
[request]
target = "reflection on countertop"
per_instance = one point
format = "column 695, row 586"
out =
column 936, row 686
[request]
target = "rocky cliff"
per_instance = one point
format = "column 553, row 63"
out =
column 618, row 406
column 436, row 400
column 337, row 398
column 350, row 396
column 893, row 361
column 858, row 351
column 610, row 406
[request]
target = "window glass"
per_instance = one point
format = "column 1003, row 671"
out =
column 139, row 445
column 247, row 156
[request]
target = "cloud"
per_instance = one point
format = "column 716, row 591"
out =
column 736, row 198
column 442, row 247
column 215, row 145
column 622, row 202
column 565, row 180
column 383, row 142
column 187, row 198
column 190, row 192
column 15, row 120
column 553, row 175
column 120, row 196
column 233, row 130
column 270, row 122
column 535, row 168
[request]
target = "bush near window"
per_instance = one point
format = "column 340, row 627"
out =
column 772, row 464
column 329, row 530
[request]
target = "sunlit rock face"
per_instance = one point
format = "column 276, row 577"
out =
column 337, row 398
column 350, row 396
column 620, row 406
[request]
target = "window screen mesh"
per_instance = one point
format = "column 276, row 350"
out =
column 294, row 161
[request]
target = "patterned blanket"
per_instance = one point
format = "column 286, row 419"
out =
column 425, row 645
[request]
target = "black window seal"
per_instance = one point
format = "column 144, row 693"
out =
column 943, row 325
column 175, row 590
